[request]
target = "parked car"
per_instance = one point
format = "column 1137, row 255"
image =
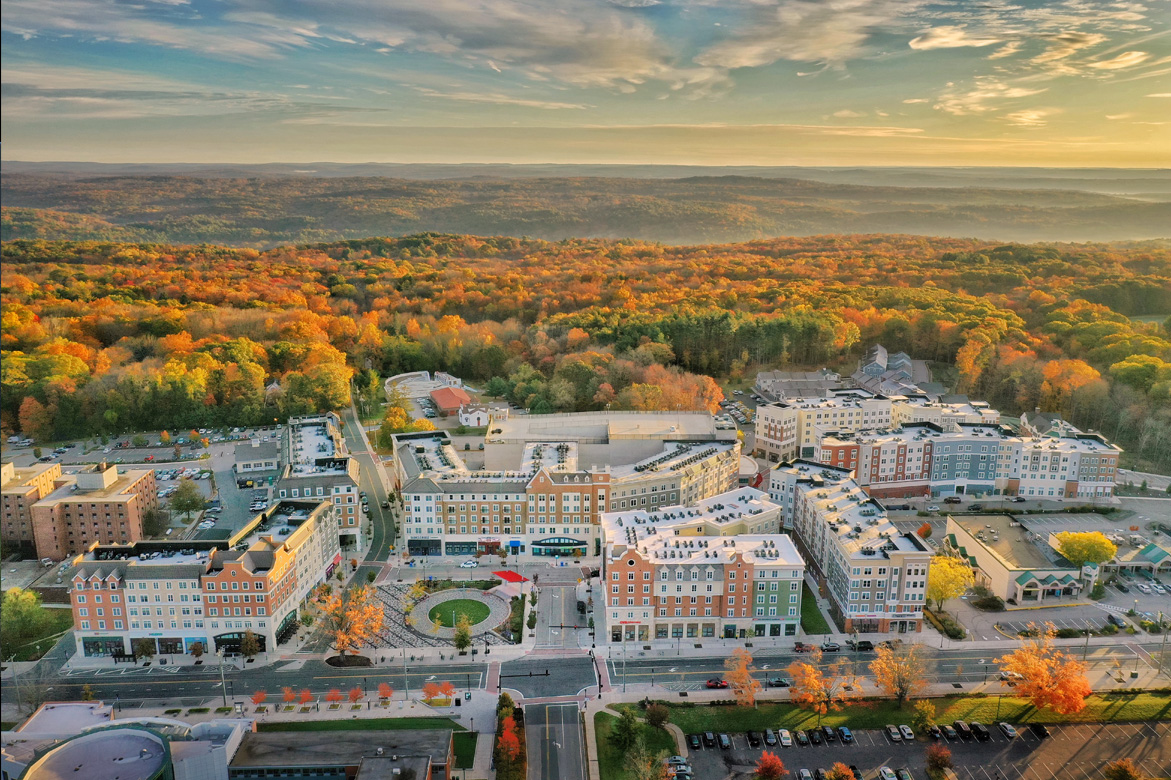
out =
column 725, row 742
column 1122, row 586
column 935, row 732
column 1019, row 499
column 786, row 738
column 975, row 507
column 1115, row 620
column 950, row 733
column 694, row 742
column 1143, row 587
column 933, row 508
column 1007, row 730
column 860, row 645
column 893, row 732
column 952, row 500
column 801, row 647
column 856, row 772
column 886, row 773
column 1040, row 730
column 965, row 731
column 717, row 683
column 846, row 735
column 753, row 739
column 675, row 761
column 814, row 736
column 470, row 563
column 780, row 682
column 908, row 735
column 801, row 737
column 805, row 774
column 830, row 647
column 709, row 739
column 905, row 774
column 981, row 732
column 830, row 734
column 770, row 738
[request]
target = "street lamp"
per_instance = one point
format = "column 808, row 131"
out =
column 223, row 685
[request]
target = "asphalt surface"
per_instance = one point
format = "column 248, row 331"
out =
column 552, row 675
column 1073, row 752
column 556, row 617
column 555, row 744
column 381, row 520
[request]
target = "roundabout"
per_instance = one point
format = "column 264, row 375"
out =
column 433, row 614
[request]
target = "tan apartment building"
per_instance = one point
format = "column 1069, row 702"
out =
column 20, row 488
column 102, row 504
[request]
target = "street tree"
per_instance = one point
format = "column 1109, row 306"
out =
column 900, row 671
column 305, row 696
column 187, row 498
column 815, row 689
column 462, row 639
column 385, row 691
column 625, row 731
column 334, row 695
column 87, row 692
column 1048, row 677
column 288, row 695
column 947, row 578
column 249, row 644
column 447, row 690
column 355, row 695
column 352, row 616
column 744, row 686
column 1088, row 547
column 145, row 648
column 196, row 650
column 770, row 767
column 839, row 771
column 430, row 691
column 259, row 697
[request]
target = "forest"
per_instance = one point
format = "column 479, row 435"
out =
column 109, row 337
column 265, row 211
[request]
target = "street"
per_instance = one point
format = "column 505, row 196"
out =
column 554, row 737
column 369, row 481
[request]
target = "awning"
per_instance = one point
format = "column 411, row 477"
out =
column 510, row 576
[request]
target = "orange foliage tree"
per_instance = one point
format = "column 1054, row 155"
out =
column 744, row 686
column 900, row 671
column 815, row 689
column 509, row 742
column 305, row 696
column 353, row 615
column 770, row 767
column 839, row 771
column 355, row 694
column 258, row 698
column 446, row 690
column 333, row 695
column 385, row 691
column 1049, row 678
column 430, row 691
column 289, row 695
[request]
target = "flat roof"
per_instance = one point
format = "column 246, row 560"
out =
column 338, row 748
column 673, row 457
column 1012, row 544
column 257, row 450
column 67, row 717
column 24, row 474
column 558, row 455
column 603, row 426
column 1130, row 543
column 68, row 491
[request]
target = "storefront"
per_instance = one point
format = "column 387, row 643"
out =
column 287, row 627
column 559, row 545
column 424, row 547
column 230, row 643
column 103, row 646
column 461, row 548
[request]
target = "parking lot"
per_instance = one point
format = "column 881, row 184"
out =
column 1073, row 752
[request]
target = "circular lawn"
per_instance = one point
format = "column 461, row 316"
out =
column 442, row 613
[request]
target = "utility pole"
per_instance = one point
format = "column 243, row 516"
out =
column 1163, row 645
column 223, row 685
column 1086, row 648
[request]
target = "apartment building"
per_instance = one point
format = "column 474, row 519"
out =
column 791, row 385
column 20, row 488
column 948, row 414
column 103, row 504
column 719, row 568
column 682, row 473
column 790, row 429
column 874, row 574
column 924, row 459
column 176, row 594
column 257, row 457
column 318, row 465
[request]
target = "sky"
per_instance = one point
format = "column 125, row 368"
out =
column 698, row 82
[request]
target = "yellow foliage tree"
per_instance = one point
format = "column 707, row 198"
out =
column 352, row 615
column 815, row 689
column 744, row 686
column 1049, row 678
column 947, row 578
column 900, row 671
column 1088, row 547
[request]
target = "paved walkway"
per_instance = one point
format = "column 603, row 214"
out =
column 420, row 618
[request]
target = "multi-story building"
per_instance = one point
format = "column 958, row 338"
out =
column 720, row 567
column 176, row 594
column 875, row 575
column 791, row 429
column 20, row 488
column 318, row 465
column 256, row 458
column 924, row 459
column 791, row 385
column 548, row 505
column 101, row 504
column 947, row 414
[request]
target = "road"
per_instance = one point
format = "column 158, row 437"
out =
column 553, row 734
column 382, row 520
column 557, row 617
column 963, row 666
column 130, row 684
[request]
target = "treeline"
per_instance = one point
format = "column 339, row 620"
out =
column 108, row 337
column 265, row 211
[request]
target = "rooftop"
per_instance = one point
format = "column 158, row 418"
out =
column 1142, row 546
column 675, row 456
column 71, row 487
column 257, row 450
column 20, row 475
column 601, row 427
column 340, row 748
column 1015, row 545
column 66, row 718
column 117, row 753
column 559, row 455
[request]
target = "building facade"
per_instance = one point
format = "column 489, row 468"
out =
column 719, row 568
column 317, row 465
column 874, row 574
column 791, row 429
column 20, row 489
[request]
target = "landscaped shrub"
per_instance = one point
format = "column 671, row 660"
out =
column 1070, row 633
column 946, row 624
column 988, row 603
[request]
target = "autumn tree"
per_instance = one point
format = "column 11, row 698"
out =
column 462, row 638
column 1085, row 547
column 352, row 616
column 1123, row 769
column 305, row 696
column 259, row 697
column 509, row 749
column 947, row 578
column 1048, row 677
column 288, row 695
column 355, row 694
column 770, row 767
column 899, row 671
column 447, row 690
column 249, row 644
column 657, row 715
column 430, row 691
column 385, row 691
column 87, row 692
column 923, row 715
column 814, row 689
column 334, row 695
column 35, row 420
column 744, row 686
column 641, row 763
column 839, row 771
column 938, row 758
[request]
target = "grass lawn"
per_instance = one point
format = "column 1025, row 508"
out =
column 362, row 724
column 812, row 621
column 465, row 749
column 443, row 613
column 33, row 646
column 877, row 713
column 611, row 760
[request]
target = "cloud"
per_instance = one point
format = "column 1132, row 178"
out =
column 500, row 100
column 1028, row 118
column 1067, row 44
column 1127, row 59
column 916, row 100
column 988, row 95
column 949, row 37
column 1160, row 95
column 1007, row 50
column 846, row 113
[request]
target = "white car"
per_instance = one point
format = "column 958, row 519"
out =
column 785, row 737
column 470, row 563
column 1159, row 589
column 1142, row 586
column 933, row 508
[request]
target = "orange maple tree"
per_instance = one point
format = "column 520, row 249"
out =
column 353, row 615
column 509, row 742
column 900, row 671
column 289, row 695
column 305, row 696
column 814, row 689
column 355, row 694
column 430, row 691
column 446, row 690
column 258, row 698
column 333, row 695
column 770, row 767
column 385, row 691
column 1048, row 677
column 744, row 686
column 839, row 771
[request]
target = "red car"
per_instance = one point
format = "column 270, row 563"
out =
column 714, row 683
